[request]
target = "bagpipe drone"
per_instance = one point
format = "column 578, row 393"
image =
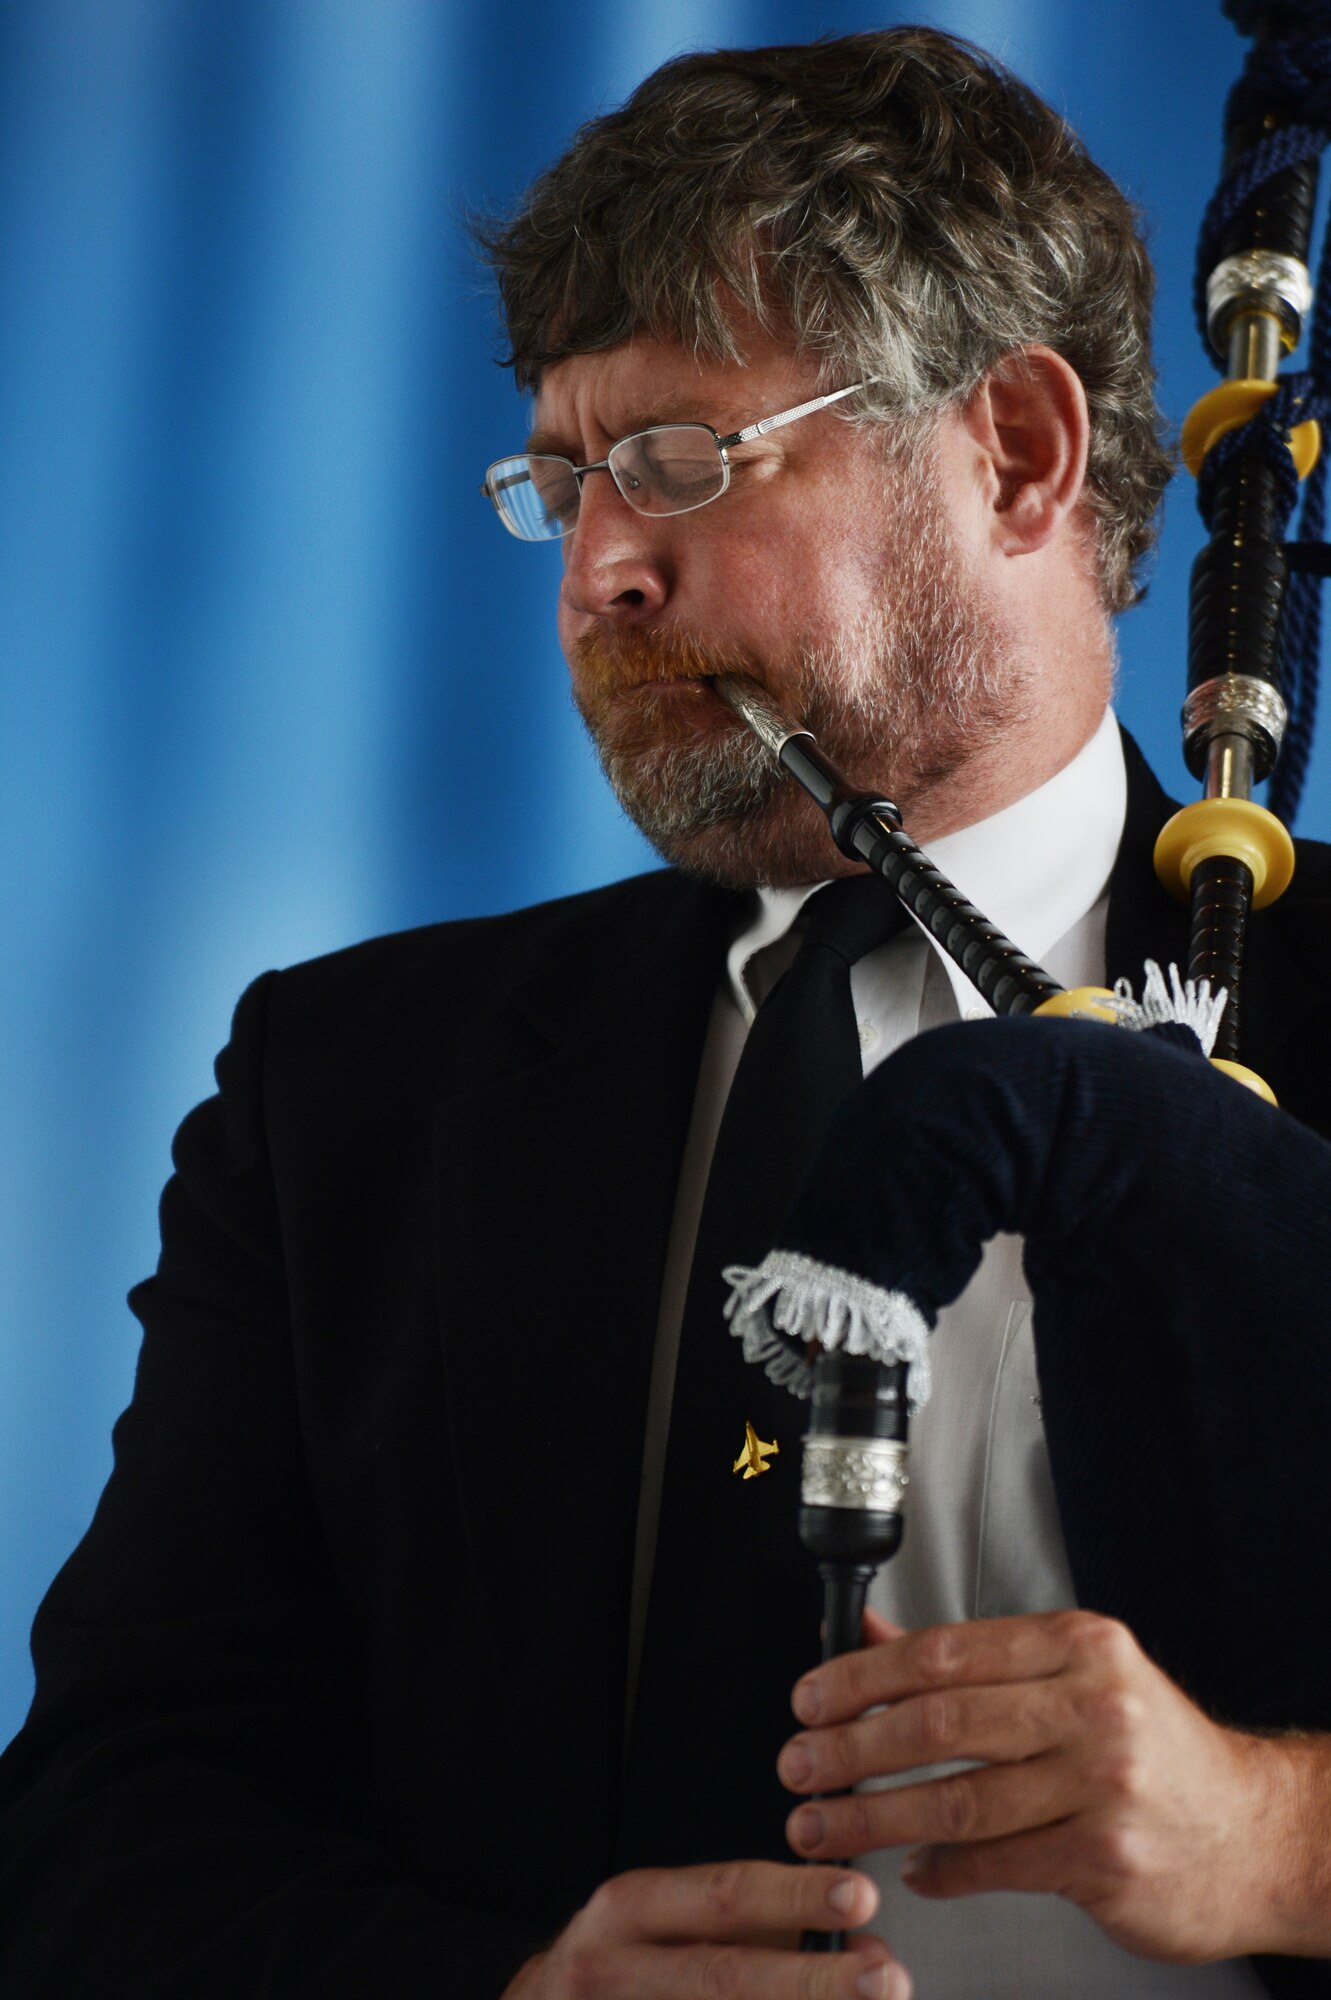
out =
column 1034, row 1126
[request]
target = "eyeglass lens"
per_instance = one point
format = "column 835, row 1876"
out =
column 537, row 497
column 667, row 470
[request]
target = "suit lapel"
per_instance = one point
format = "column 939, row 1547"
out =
column 571, row 1156
column 1144, row 919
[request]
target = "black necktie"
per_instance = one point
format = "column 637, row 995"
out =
column 735, row 1602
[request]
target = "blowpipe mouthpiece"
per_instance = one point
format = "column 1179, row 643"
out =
column 753, row 704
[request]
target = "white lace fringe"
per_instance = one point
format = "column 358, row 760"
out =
column 1188, row 1001
column 791, row 1294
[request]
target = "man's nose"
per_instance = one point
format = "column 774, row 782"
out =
column 615, row 562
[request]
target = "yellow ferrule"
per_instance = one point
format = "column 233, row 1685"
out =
column 1247, row 1077
column 1234, row 829
column 1090, row 1003
column 1227, row 406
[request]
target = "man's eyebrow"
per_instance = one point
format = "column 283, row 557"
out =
column 689, row 412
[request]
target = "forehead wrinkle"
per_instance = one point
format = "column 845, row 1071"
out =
column 691, row 409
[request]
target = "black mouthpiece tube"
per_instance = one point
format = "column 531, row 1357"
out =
column 867, row 827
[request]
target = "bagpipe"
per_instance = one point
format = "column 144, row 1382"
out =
column 1034, row 1125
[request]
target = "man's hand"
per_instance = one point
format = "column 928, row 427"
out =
column 724, row 1932
column 1099, row 1781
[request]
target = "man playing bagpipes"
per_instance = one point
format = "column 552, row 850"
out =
column 439, row 1626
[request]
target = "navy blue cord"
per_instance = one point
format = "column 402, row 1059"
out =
column 1303, row 592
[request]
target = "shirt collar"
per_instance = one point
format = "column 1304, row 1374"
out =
column 1035, row 868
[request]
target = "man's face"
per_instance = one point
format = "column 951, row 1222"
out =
column 834, row 571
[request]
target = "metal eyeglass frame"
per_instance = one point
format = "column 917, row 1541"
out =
column 723, row 444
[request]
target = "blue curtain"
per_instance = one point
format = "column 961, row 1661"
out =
column 266, row 660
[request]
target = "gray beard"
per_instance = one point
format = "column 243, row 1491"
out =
column 725, row 810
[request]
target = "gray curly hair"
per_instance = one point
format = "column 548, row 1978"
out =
column 897, row 203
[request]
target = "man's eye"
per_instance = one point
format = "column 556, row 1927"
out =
column 685, row 479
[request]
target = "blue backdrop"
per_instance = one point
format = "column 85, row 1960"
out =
column 265, row 654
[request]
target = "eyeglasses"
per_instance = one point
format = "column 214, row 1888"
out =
column 669, row 469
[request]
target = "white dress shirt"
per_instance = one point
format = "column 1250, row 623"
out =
column 982, row 1532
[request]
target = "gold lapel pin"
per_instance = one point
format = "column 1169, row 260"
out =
column 755, row 1454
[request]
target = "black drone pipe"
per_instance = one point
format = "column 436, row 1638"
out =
column 1250, row 441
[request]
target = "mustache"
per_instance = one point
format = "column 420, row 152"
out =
column 632, row 655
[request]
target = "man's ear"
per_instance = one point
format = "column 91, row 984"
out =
column 1030, row 427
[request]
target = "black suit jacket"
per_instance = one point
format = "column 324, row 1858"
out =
column 330, row 1698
